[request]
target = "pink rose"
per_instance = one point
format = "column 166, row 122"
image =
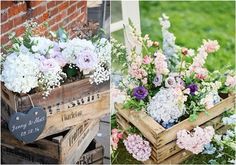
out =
column 49, row 65
column 120, row 135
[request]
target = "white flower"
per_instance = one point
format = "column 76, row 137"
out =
column 20, row 72
column 42, row 45
column 166, row 105
column 229, row 120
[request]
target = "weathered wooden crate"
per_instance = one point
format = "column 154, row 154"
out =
column 69, row 105
column 63, row 148
column 163, row 141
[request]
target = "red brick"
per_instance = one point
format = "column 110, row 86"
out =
column 6, row 4
column 6, row 26
column 19, row 20
column 4, row 16
column 73, row 16
column 73, row 2
column 58, row 18
column 38, row 10
column 20, row 30
column 71, row 9
column 4, row 39
column 54, row 28
column 43, row 18
column 58, row 2
column 80, row 4
column 63, row 6
column 51, row 4
column 16, row 9
column 53, row 12
column 35, row 3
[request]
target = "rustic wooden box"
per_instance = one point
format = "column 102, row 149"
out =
column 163, row 141
column 63, row 148
column 69, row 105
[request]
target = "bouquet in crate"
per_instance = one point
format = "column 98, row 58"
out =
column 172, row 84
column 38, row 63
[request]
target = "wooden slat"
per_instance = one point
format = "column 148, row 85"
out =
column 92, row 157
column 149, row 127
column 170, row 134
column 80, row 145
column 57, row 98
column 64, row 120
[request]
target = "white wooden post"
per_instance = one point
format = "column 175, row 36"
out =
column 130, row 10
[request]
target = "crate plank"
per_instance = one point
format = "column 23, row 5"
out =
column 163, row 141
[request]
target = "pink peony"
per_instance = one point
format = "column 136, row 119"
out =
column 87, row 60
column 210, row 46
column 201, row 73
column 196, row 140
column 230, row 81
column 147, row 60
column 139, row 148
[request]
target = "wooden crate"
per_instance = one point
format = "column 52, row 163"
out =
column 64, row 148
column 163, row 140
column 69, row 105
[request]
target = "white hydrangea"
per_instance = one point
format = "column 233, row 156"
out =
column 74, row 47
column 20, row 72
column 229, row 120
column 42, row 45
column 166, row 105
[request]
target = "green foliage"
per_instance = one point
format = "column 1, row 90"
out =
column 62, row 35
column 137, row 105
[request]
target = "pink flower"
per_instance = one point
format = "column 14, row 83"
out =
column 147, row 60
column 115, row 138
column 201, row 73
column 137, row 72
column 195, row 141
column 49, row 65
column 161, row 64
column 230, row 81
column 139, row 148
column 210, row 46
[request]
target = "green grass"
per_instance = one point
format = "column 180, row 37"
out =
column 191, row 23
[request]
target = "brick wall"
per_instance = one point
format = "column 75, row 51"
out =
column 56, row 13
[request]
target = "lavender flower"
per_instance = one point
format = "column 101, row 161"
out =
column 193, row 88
column 170, row 82
column 140, row 92
column 87, row 60
column 157, row 80
column 139, row 148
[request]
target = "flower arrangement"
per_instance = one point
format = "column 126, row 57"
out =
column 172, row 84
column 39, row 63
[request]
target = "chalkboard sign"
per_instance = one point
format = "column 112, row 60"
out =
column 28, row 126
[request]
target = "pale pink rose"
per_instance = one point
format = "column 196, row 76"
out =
column 114, row 130
column 211, row 46
column 49, row 65
column 147, row 60
column 230, row 81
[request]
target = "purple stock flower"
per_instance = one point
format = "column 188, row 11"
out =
column 157, row 80
column 193, row 88
column 140, row 92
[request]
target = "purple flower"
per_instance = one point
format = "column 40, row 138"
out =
column 140, row 93
column 193, row 88
column 87, row 60
column 157, row 80
column 49, row 65
column 57, row 55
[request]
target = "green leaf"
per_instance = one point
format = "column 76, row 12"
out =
column 62, row 35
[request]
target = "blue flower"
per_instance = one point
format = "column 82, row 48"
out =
column 209, row 149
